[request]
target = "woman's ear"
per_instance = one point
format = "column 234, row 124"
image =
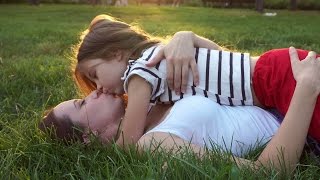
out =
column 86, row 136
column 109, row 134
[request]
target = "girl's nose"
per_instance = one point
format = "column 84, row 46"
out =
column 99, row 87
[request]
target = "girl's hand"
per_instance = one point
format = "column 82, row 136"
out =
column 179, row 53
column 307, row 71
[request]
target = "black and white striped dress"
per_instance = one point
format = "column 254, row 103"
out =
column 224, row 77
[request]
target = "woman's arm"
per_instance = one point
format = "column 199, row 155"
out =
column 179, row 53
column 203, row 42
column 283, row 151
column 285, row 148
column 134, row 121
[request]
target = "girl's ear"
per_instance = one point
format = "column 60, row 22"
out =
column 118, row 55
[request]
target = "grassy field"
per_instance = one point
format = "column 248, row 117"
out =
column 34, row 75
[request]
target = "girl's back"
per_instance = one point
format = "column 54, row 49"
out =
column 224, row 77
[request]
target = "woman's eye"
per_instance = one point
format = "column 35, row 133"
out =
column 93, row 74
column 83, row 102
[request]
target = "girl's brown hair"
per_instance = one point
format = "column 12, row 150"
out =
column 103, row 38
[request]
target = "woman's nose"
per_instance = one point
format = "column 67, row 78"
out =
column 95, row 94
column 105, row 91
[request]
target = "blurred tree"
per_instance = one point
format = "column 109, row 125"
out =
column 259, row 5
column 34, row 2
column 293, row 4
column 94, row 2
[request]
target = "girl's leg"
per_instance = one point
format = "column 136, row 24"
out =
column 274, row 84
column 253, row 61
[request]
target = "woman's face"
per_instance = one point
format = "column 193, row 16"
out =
column 98, row 113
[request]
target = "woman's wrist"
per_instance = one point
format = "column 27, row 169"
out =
column 306, row 87
column 188, row 34
column 185, row 36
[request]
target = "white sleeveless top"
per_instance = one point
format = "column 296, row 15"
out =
column 224, row 77
column 203, row 122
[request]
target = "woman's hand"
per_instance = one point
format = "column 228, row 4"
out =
column 307, row 71
column 285, row 148
column 179, row 53
column 180, row 56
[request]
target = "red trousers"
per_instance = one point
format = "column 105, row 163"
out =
column 274, row 84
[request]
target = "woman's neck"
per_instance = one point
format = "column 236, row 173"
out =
column 156, row 116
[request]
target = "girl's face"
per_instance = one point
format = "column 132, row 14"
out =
column 98, row 113
column 106, row 74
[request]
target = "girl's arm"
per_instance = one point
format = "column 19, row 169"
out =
column 133, row 124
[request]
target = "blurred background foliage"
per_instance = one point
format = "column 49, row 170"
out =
column 268, row 4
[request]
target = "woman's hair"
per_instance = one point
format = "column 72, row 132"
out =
column 61, row 129
column 104, row 37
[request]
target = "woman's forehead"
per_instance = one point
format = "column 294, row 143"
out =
column 66, row 108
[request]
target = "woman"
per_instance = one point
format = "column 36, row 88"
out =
column 287, row 142
column 180, row 56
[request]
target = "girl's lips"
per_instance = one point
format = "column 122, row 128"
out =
column 96, row 94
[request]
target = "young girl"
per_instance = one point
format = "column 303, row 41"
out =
column 112, row 58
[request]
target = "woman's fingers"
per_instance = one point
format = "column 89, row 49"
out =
column 195, row 72
column 177, row 78
column 307, row 71
column 311, row 55
column 294, row 59
column 293, row 55
column 157, row 58
column 170, row 73
column 185, row 76
column 179, row 53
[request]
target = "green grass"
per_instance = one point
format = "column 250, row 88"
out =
column 34, row 75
